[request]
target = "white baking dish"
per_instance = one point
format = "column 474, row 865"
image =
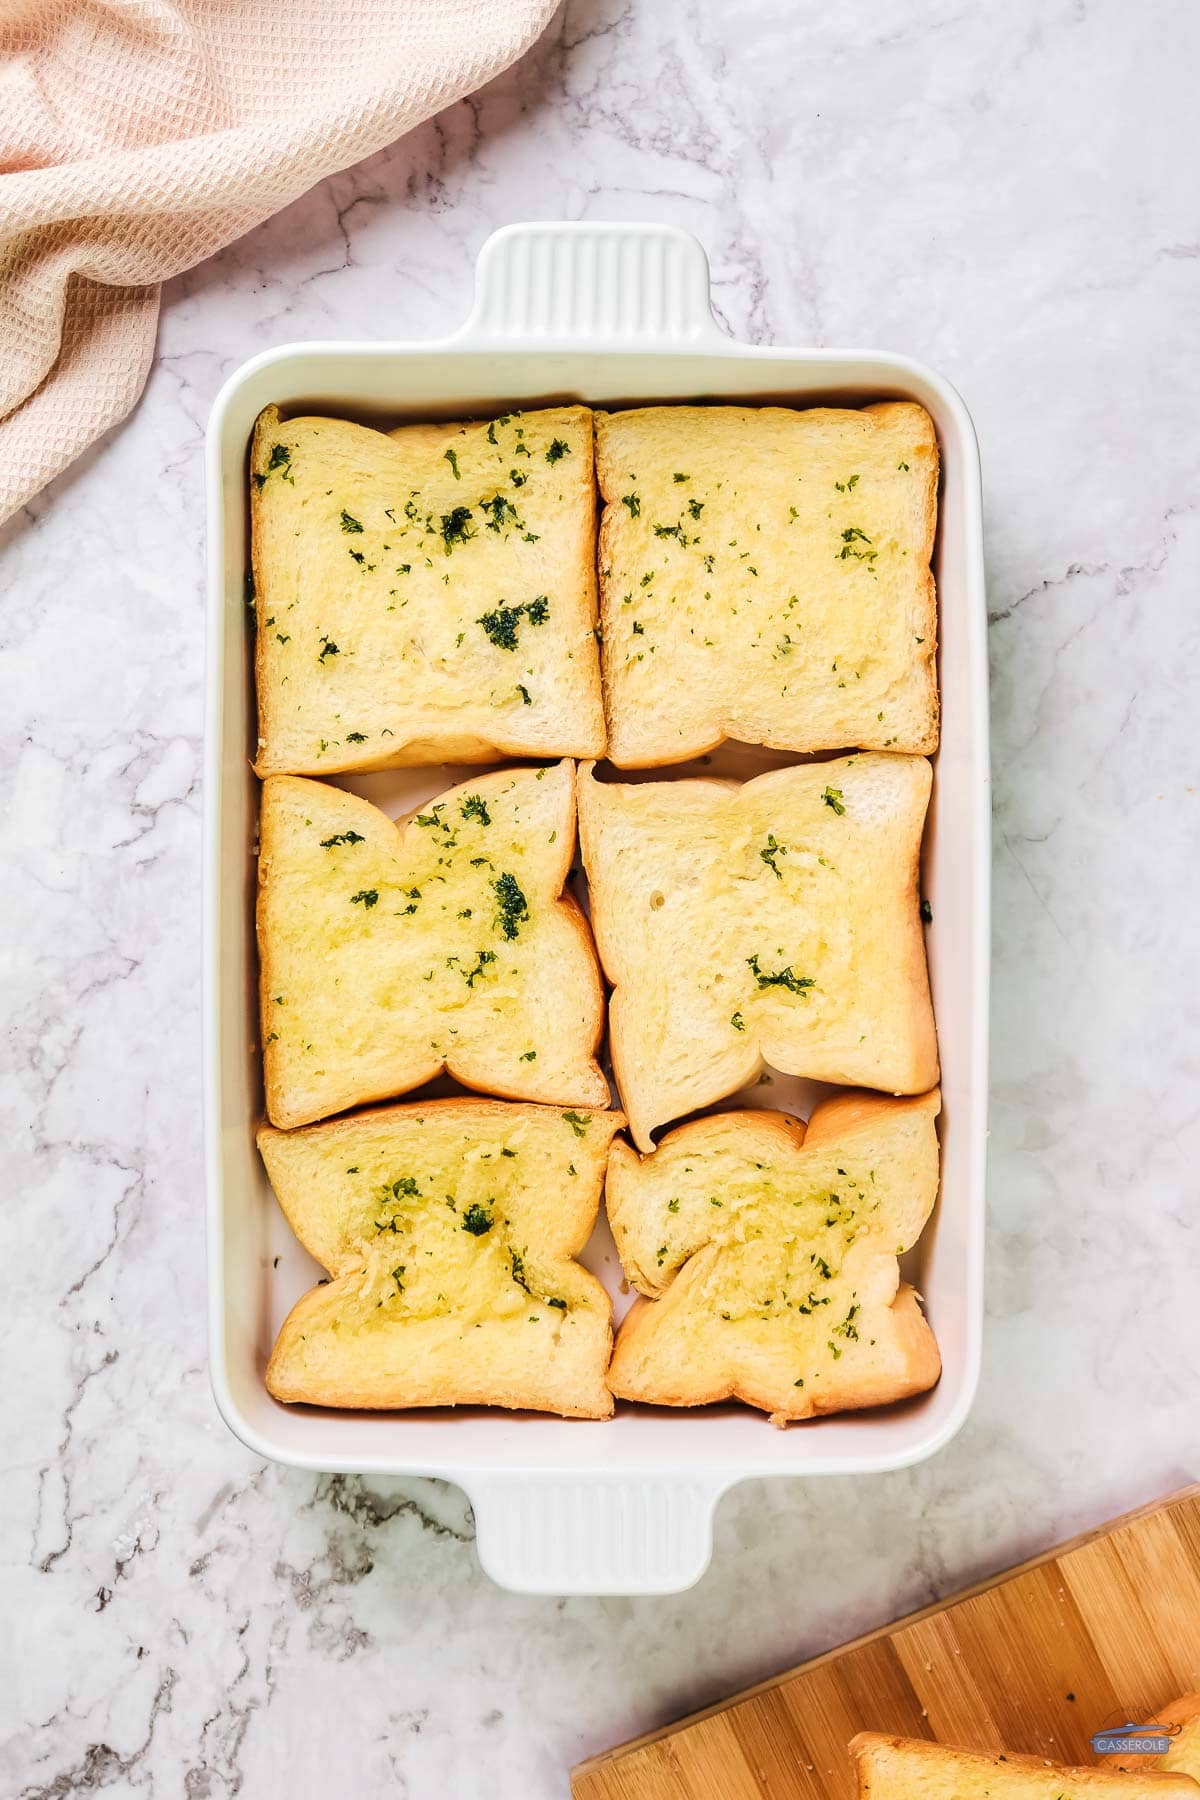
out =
column 609, row 314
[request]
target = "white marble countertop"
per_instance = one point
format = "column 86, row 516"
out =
column 1008, row 193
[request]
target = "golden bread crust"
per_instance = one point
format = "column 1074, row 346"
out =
column 892, row 1768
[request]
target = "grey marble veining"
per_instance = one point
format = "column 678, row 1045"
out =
column 1007, row 192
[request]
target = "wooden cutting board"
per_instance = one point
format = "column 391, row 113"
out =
column 1101, row 1630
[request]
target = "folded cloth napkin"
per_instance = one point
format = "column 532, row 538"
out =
column 139, row 136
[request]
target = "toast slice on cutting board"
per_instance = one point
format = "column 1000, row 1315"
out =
column 1182, row 1720
column 913, row 1769
column 775, row 920
column 449, row 1229
column 391, row 951
column 765, row 576
column 766, row 1255
column 424, row 596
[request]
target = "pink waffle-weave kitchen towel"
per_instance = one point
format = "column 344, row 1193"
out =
column 139, row 136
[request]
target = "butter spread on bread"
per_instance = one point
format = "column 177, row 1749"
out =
column 449, row 1229
column 765, row 576
column 391, row 951
column 425, row 596
column 767, row 1258
column 772, row 921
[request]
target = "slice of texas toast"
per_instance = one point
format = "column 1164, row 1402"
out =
column 425, row 596
column 449, row 1229
column 765, row 576
column 391, row 951
column 767, row 1255
column 911, row 1769
column 776, row 920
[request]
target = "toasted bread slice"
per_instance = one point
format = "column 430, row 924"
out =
column 390, row 952
column 910, row 1769
column 1182, row 1719
column 773, row 920
column 427, row 596
column 768, row 1256
column 449, row 1229
column 764, row 576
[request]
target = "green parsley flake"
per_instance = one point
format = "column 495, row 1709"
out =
column 482, row 959
column 514, row 908
column 501, row 624
column 457, row 527
column 279, row 463
column 500, row 512
column 851, row 538
column 773, row 849
column 784, row 978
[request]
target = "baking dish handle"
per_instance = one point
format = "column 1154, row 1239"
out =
column 592, row 286
column 593, row 1534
